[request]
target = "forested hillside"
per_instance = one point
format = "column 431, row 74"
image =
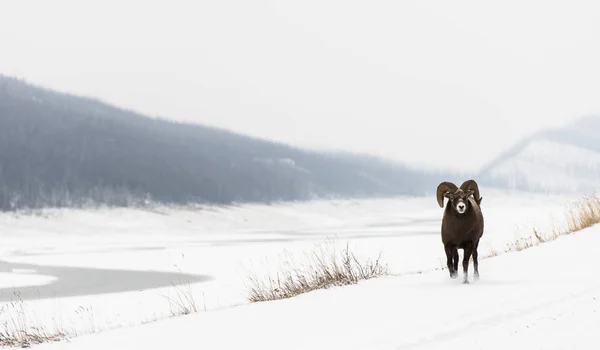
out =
column 63, row 150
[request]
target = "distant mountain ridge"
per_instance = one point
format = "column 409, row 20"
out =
column 564, row 159
column 58, row 149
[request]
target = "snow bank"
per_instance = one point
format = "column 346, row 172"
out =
column 544, row 297
column 150, row 249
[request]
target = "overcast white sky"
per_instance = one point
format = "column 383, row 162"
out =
column 407, row 80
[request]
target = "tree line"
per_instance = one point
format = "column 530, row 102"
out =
column 62, row 150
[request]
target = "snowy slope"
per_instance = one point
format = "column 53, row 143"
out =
column 91, row 271
column 546, row 297
column 565, row 159
column 550, row 166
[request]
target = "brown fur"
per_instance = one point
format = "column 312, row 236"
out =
column 461, row 231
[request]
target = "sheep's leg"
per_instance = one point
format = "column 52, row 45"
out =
column 475, row 262
column 449, row 256
column 456, row 259
column 468, row 250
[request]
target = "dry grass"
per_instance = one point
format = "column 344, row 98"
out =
column 183, row 303
column 19, row 329
column 325, row 266
column 493, row 253
column 26, row 338
column 16, row 330
column 584, row 214
column 581, row 214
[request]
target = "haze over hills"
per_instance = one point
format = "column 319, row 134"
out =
column 58, row 149
column 564, row 159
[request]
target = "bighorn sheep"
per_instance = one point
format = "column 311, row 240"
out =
column 462, row 224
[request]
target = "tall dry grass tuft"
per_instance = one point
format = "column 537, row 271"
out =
column 17, row 331
column 584, row 214
column 581, row 214
column 322, row 269
column 183, row 302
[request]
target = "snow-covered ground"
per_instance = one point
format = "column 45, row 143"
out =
column 547, row 297
column 90, row 271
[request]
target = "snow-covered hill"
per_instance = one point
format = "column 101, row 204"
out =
column 544, row 165
column 565, row 159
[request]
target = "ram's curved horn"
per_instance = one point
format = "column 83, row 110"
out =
column 471, row 185
column 442, row 189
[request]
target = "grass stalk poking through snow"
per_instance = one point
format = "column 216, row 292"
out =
column 184, row 302
column 584, row 214
column 16, row 330
column 580, row 215
column 323, row 268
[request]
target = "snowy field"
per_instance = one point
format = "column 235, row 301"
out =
column 91, row 271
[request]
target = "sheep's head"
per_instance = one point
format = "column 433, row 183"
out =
column 457, row 197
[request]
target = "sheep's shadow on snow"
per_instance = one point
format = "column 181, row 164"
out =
column 79, row 281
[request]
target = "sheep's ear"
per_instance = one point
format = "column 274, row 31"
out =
column 470, row 192
column 449, row 195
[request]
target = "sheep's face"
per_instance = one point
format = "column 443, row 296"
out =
column 459, row 200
